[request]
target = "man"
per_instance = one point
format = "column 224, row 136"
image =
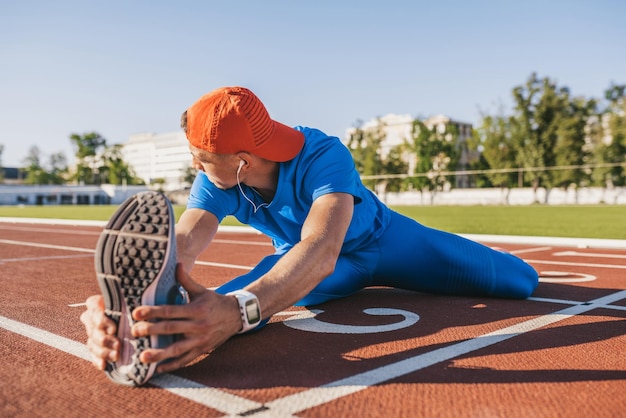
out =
column 332, row 236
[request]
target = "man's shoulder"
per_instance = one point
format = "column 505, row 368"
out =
column 314, row 133
column 316, row 141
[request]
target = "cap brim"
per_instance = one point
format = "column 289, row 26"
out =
column 283, row 145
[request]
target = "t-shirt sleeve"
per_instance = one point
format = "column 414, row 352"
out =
column 204, row 195
column 332, row 171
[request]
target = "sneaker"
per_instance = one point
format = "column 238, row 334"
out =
column 135, row 265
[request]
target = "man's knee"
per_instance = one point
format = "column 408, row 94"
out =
column 522, row 283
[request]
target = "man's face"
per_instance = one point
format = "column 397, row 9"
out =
column 220, row 169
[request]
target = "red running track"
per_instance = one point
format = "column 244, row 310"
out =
column 380, row 353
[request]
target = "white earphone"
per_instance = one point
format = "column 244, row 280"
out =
column 241, row 164
column 254, row 206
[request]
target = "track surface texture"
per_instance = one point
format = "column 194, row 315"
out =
column 380, row 353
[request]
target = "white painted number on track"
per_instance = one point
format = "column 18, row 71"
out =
column 306, row 321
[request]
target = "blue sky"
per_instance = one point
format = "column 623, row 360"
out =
column 123, row 67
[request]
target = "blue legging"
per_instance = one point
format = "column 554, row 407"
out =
column 414, row 257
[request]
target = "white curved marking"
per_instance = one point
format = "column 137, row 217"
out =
column 306, row 321
column 565, row 277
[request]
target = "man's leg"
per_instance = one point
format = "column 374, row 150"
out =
column 350, row 275
column 416, row 257
column 240, row 282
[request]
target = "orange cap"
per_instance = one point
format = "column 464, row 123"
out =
column 232, row 119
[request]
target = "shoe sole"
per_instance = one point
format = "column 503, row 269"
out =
column 135, row 250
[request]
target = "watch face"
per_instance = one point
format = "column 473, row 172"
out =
column 252, row 312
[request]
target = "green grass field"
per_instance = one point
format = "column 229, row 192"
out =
column 557, row 221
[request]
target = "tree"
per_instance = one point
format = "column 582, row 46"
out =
column 87, row 145
column 538, row 104
column 158, row 182
column 35, row 174
column 394, row 163
column 569, row 149
column 188, row 175
column 57, row 168
column 498, row 150
column 87, row 148
column 436, row 151
column 365, row 148
column 98, row 163
column 113, row 168
column 610, row 139
column 617, row 127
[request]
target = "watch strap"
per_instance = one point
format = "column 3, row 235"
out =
column 249, row 309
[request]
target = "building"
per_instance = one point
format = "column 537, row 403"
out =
column 159, row 158
column 398, row 129
column 104, row 194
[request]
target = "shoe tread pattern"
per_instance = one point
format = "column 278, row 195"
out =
column 129, row 257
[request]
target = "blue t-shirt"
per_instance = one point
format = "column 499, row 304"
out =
column 324, row 165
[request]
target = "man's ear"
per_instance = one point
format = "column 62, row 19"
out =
column 244, row 159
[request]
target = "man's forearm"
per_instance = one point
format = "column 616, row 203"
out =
column 293, row 277
column 194, row 231
column 311, row 260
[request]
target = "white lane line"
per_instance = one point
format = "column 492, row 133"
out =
column 240, row 242
column 39, row 245
column 590, row 255
column 73, row 231
column 230, row 266
column 531, row 250
column 204, row 395
column 55, row 341
column 92, row 251
column 616, row 307
column 575, row 302
column 310, row 398
column 208, row 396
column 617, row 244
column 565, row 263
column 559, row 301
column 79, row 232
column 52, row 257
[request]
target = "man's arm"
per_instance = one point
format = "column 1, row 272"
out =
column 194, row 232
column 311, row 260
column 211, row 319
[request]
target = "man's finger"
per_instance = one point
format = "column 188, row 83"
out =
column 177, row 355
column 146, row 312
column 101, row 354
column 163, row 327
column 95, row 302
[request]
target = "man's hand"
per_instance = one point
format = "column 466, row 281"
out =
column 101, row 340
column 206, row 322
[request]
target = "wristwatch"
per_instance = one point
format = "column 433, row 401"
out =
column 249, row 308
